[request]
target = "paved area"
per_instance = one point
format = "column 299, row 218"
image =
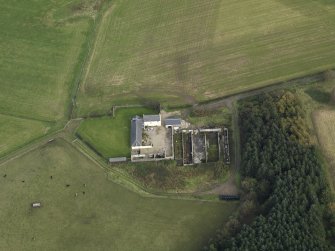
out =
column 160, row 140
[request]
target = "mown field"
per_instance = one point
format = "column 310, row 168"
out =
column 105, row 217
column 109, row 136
column 180, row 52
column 39, row 56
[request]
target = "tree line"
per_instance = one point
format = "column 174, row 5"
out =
column 283, row 180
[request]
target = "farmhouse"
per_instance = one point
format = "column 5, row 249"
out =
column 136, row 132
column 175, row 123
column 152, row 120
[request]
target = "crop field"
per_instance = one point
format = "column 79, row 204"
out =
column 103, row 215
column 179, row 52
column 40, row 53
column 324, row 121
column 15, row 132
column 111, row 136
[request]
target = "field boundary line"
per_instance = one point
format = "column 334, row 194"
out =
column 92, row 49
column 91, row 39
column 28, row 118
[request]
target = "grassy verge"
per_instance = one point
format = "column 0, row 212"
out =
column 325, row 128
column 167, row 177
column 217, row 117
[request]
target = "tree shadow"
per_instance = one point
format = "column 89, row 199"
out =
column 318, row 95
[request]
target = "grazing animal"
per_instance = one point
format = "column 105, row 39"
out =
column 51, row 177
column 5, row 176
column 84, row 192
column 22, row 181
column 76, row 194
column 67, row 185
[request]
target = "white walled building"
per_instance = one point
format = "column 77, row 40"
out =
column 152, row 120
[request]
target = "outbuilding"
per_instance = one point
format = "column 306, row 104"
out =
column 117, row 159
column 136, row 132
column 152, row 120
column 173, row 122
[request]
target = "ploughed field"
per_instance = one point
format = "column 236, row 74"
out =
column 103, row 215
column 179, row 52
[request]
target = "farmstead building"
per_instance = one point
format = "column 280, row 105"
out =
column 152, row 120
column 136, row 132
column 173, row 122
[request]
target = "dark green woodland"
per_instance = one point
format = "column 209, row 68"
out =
column 284, row 177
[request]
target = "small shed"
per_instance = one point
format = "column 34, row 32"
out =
column 173, row 122
column 117, row 159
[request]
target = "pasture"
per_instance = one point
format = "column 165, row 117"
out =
column 103, row 215
column 178, row 52
column 15, row 132
column 41, row 54
column 324, row 121
column 109, row 136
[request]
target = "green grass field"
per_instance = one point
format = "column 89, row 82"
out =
column 111, row 136
column 191, row 50
column 15, row 132
column 40, row 54
column 106, row 217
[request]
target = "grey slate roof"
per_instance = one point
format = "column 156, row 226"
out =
column 151, row 118
column 173, row 122
column 136, row 131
